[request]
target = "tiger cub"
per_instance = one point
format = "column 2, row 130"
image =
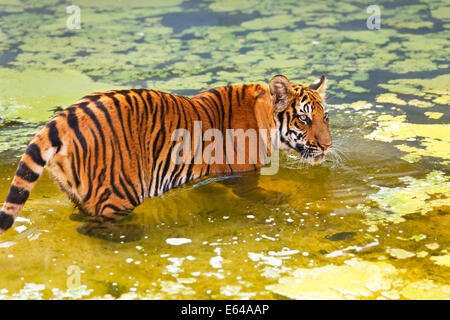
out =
column 109, row 151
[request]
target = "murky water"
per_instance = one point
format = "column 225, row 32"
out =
column 371, row 223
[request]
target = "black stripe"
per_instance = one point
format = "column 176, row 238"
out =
column 100, row 105
column 26, row 173
column 72, row 120
column 130, row 198
column 74, row 172
column 179, row 167
column 112, row 175
column 128, row 98
column 17, row 195
column 154, row 115
column 108, row 118
column 259, row 94
column 230, row 109
column 144, row 104
column 117, row 211
column 165, row 170
column 103, row 197
column 130, row 126
column 205, row 109
column 138, row 114
column 77, row 154
column 142, row 128
column 140, row 145
column 118, row 107
column 156, row 109
column 6, row 220
column 219, row 107
column 156, row 152
column 148, row 125
column 54, row 136
column 301, row 91
column 97, row 145
column 91, row 115
column 34, row 152
column 89, row 174
column 100, row 178
column 96, row 150
column 282, row 125
column 92, row 97
column 161, row 131
column 243, row 89
column 200, row 103
column 157, row 178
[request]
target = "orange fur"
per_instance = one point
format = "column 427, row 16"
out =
column 109, row 151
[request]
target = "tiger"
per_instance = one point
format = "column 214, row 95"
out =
column 111, row 150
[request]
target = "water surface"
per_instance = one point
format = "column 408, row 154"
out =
column 372, row 223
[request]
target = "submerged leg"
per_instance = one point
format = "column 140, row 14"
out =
column 109, row 226
column 111, row 230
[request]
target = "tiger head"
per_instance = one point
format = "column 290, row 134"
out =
column 301, row 118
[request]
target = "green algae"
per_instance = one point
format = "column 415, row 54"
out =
column 437, row 87
column 413, row 65
column 134, row 54
column 186, row 47
column 358, row 105
column 30, row 95
column 420, row 103
column 434, row 140
column 356, row 279
column 442, row 260
column 410, row 17
column 390, row 98
column 440, row 12
column 426, row 290
column 400, row 253
column 418, row 196
column 432, row 246
column 434, row 115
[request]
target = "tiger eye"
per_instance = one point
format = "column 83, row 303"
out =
column 303, row 117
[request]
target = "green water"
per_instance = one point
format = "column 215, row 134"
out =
column 371, row 224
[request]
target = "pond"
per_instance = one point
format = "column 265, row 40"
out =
column 370, row 223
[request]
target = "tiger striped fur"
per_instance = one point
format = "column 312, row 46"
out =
column 109, row 151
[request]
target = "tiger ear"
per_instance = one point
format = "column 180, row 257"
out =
column 320, row 86
column 280, row 91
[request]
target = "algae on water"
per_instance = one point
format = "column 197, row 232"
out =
column 356, row 279
column 434, row 138
column 386, row 182
column 418, row 196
